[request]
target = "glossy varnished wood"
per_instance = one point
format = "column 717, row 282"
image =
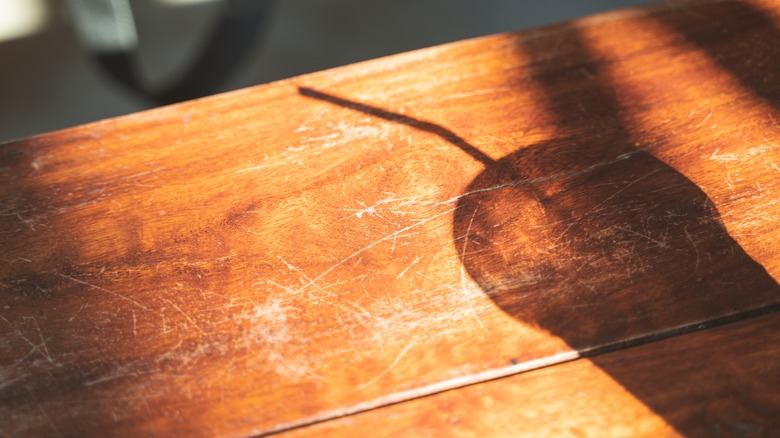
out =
column 341, row 241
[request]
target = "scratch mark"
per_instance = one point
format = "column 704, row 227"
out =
column 119, row 375
column 392, row 249
column 417, row 259
column 695, row 248
column 135, row 332
column 29, row 222
column 282, row 287
column 35, row 348
column 586, row 263
column 48, row 419
column 743, row 154
column 116, row 294
column 19, row 361
column 728, row 181
column 587, row 74
column 776, row 167
column 624, row 188
column 293, row 268
column 24, row 259
column 249, row 169
column 463, row 270
column 7, row 286
column 43, row 341
column 7, row 383
column 658, row 242
column 359, row 307
column 554, row 48
column 366, row 248
column 562, row 174
column 304, row 278
column 185, row 315
column 392, row 365
column 372, row 210
column 146, row 400
column 77, row 312
column 703, row 121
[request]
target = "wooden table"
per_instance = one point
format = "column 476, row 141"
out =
column 565, row 231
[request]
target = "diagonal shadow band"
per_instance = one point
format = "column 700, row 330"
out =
column 620, row 250
column 738, row 37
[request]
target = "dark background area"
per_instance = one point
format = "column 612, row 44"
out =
column 48, row 82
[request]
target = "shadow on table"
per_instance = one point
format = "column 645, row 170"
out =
column 595, row 240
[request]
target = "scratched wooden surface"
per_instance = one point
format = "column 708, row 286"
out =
column 289, row 253
column 656, row 389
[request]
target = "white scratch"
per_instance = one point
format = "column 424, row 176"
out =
column 704, row 120
column 622, row 189
column 116, row 294
column 48, row 419
column 43, row 341
column 372, row 210
column 6, row 383
column 249, row 169
column 77, row 312
column 392, row 365
column 184, row 314
column 360, row 308
column 737, row 156
column 563, row 174
column 661, row 244
column 35, row 348
column 392, row 249
column 714, row 154
column 118, row 375
column 463, row 270
column 366, row 248
column 417, row 259
column 587, row 74
column 695, row 248
column 728, row 181
column 304, row 279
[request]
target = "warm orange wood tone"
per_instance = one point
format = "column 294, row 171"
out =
column 341, row 241
column 719, row 382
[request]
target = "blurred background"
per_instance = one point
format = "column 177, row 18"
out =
column 48, row 80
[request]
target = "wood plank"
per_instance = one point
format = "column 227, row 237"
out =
column 718, row 382
column 356, row 237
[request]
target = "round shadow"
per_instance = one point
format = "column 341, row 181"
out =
column 597, row 245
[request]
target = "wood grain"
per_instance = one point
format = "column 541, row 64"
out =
column 336, row 242
column 719, row 382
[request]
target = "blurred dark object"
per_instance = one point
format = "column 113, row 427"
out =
column 106, row 29
column 47, row 81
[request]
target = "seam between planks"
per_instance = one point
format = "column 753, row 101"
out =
column 520, row 368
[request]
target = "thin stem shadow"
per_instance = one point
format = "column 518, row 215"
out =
column 444, row 133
